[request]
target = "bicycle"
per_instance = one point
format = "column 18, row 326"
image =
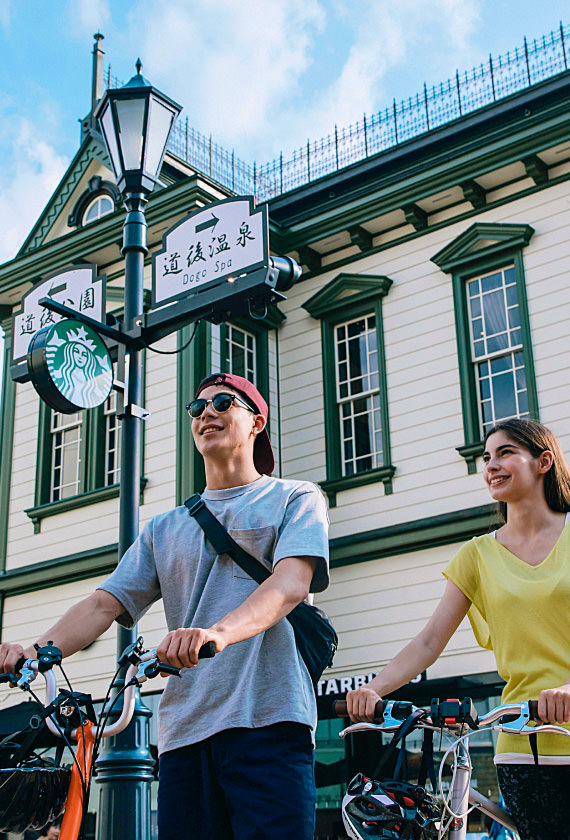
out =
column 35, row 789
column 372, row 803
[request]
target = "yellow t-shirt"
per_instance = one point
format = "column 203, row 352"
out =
column 522, row 614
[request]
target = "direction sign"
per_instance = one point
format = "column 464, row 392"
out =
column 218, row 242
column 79, row 288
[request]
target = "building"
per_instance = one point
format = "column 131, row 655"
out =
column 434, row 240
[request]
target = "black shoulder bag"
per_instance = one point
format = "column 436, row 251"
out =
column 315, row 636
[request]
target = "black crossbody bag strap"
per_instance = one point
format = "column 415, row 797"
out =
column 221, row 540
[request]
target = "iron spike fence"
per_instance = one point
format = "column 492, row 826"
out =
column 435, row 106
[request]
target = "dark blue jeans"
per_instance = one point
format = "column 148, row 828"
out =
column 245, row 784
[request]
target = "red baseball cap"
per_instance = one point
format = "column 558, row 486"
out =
column 262, row 452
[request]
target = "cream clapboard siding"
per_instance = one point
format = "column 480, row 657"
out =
column 421, row 361
column 26, row 617
column 378, row 606
column 375, row 620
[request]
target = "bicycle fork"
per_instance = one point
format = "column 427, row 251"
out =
column 459, row 794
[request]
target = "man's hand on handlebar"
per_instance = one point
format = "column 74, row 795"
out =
column 11, row 654
column 361, row 704
column 180, row 647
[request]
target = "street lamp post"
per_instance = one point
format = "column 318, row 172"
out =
column 135, row 121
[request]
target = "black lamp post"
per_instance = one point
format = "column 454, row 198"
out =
column 135, row 121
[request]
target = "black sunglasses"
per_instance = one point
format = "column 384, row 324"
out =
column 221, row 403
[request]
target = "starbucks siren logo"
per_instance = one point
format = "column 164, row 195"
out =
column 79, row 364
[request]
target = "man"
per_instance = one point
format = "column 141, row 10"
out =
column 235, row 733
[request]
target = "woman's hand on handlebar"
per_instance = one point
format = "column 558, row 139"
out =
column 361, row 703
column 180, row 647
column 554, row 704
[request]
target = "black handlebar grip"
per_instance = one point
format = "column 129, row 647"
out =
column 533, row 709
column 207, row 651
column 340, row 709
column 4, row 678
column 20, row 663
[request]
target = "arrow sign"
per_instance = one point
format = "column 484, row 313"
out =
column 78, row 287
column 211, row 223
column 212, row 245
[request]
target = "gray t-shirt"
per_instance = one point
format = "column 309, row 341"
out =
column 254, row 683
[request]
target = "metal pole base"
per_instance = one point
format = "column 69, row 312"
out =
column 124, row 770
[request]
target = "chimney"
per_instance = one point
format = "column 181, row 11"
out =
column 97, row 88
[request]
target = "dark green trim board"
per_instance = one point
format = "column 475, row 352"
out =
column 419, row 535
column 90, row 497
column 482, row 248
column 7, row 412
column 193, row 364
column 60, row 570
column 350, row 296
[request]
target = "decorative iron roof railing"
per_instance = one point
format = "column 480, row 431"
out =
column 486, row 83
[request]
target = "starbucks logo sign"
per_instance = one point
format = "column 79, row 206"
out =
column 70, row 366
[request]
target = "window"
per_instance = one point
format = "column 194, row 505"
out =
column 98, row 200
column 354, row 372
column 78, row 460
column 493, row 333
column 358, row 395
column 239, row 352
column 66, row 458
column 100, row 206
column 496, row 347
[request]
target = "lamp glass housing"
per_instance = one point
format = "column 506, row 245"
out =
column 136, row 121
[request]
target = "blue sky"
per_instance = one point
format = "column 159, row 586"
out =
column 262, row 76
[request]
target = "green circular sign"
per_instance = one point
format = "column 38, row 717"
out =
column 70, row 366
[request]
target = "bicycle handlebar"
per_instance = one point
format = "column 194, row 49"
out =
column 144, row 665
column 513, row 717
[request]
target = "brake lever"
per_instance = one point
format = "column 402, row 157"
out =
column 519, row 726
column 389, row 722
column 27, row 675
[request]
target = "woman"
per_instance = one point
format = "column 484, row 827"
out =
column 515, row 586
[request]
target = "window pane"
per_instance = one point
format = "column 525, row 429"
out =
column 239, row 353
column 504, row 396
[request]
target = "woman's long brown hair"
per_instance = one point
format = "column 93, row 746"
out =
column 536, row 438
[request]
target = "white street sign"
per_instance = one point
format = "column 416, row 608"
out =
column 79, row 288
column 218, row 242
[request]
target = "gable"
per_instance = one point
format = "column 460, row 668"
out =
column 482, row 239
column 91, row 159
column 347, row 290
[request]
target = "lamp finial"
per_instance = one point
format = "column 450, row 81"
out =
column 138, row 66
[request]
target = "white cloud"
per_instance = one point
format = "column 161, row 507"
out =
column 5, row 14
column 387, row 36
column 231, row 64
column 94, row 15
column 244, row 71
column 31, row 170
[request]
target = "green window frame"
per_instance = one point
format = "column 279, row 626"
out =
column 485, row 248
column 348, row 297
column 194, row 363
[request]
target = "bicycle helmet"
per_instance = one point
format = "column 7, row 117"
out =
column 31, row 796
column 389, row 810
